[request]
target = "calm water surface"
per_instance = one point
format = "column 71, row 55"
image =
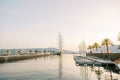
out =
column 49, row 68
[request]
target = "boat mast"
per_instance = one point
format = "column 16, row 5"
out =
column 82, row 48
column 60, row 44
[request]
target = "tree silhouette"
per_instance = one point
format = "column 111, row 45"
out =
column 96, row 46
column 90, row 48
column 119, row 40
column 106, row 42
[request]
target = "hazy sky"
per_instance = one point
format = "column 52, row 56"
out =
column 36, row 23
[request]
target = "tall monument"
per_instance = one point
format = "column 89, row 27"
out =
column 60, row 44
column 82, row 48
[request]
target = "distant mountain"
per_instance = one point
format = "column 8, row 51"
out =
column 55, row 49
column 13, row 51
column 112, row 49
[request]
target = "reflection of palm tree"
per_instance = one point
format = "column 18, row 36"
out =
column 98, row 72
column 90, row 48
column 107, row 42
column 96, row 46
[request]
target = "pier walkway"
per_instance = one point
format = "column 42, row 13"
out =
column 80, row 60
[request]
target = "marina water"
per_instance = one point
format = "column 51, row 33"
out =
column 51, row 68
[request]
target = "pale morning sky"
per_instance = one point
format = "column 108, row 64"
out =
column 36, row 23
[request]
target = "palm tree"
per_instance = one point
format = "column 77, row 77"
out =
column 119, row 39
column 90, row 48
column 96, row 46
column 106, row 42
column 53, row 52
column 30, row 52
column 36, row 52
column 19, row 52
column 45, row 51
column 7, row 51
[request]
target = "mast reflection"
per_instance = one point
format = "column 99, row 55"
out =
column 84, row 72
column 60, row 67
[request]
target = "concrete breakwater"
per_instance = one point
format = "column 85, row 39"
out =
column 20, row 57
column 110, row 56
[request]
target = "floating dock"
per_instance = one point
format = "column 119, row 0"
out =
column 80, row 60
column 92, row 60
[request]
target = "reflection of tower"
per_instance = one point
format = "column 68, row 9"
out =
column 84, row 70
column 60, row 67
column 60, row 44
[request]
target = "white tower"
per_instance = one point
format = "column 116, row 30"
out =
column 60, row 43
column 82, row 48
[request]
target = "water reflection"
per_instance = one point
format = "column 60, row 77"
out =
column 60, row 67
column 99, row 72
column 51, row 68
column 91, row 72
column 84, row 74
